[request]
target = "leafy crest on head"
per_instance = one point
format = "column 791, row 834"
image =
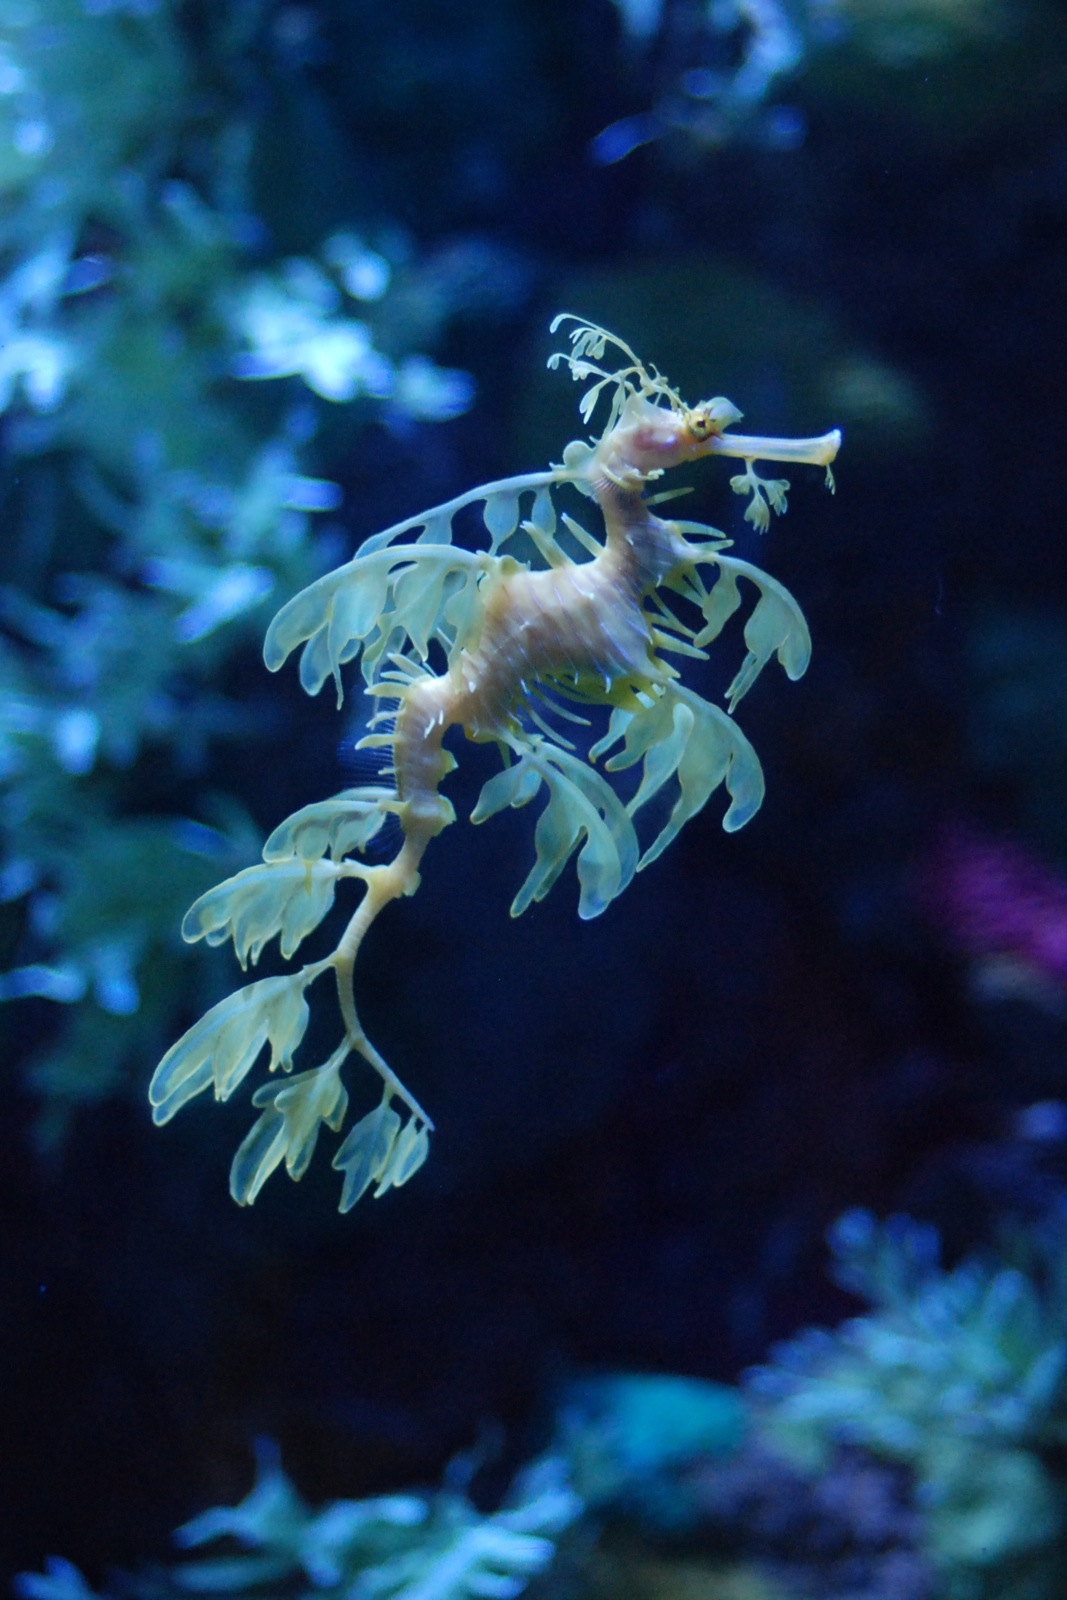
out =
column 588, row 340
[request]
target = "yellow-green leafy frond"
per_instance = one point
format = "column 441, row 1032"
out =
column 775, row 627
column 221, row 1049
column 501, row 501
column 394, row 597
column 347, row 821
column 287, row 897
column 379, row 1151
column 589, row 345
column 293, row 1112
column 376, row 603
column 581, row 806
column 683, row 738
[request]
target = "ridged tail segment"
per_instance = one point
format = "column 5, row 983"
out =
column 420, row 760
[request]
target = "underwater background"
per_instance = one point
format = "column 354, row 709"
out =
column 746, row 1218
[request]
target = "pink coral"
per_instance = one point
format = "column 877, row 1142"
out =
column 1002, row 904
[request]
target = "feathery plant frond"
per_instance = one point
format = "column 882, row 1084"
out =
column 409, row 1546
column 958, row 1375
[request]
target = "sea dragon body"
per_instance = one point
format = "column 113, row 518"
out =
column 516, row 645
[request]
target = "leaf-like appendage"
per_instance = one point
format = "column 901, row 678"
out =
column 768, row 494
column 461, row 614
column 331, row 618
column 300, row 619
column 377, row 1150
column 436, row 524
column 434, row 595
column 543, row 513
column 418, row 603
column 437, row 529
column 365, row 1153
column 356, row 609
column 608, row 860
column 501, row 516
column 289, row 897
column 515, row 786
column 346, row 822
column 392, row 592
column 776, row 626
column 580, row 805
column 682, row 736
column 223, row 1046
column 718, row 605
column 375, row 603
column 409, row 1152
column 288, row 1130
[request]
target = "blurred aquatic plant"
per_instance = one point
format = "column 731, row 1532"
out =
column 958, row 1375
column 153, row 494
column 414, row 1546
column 722, row 72
column 720, row 64
column 630, row 1438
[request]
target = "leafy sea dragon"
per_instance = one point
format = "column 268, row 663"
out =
column 502, row 648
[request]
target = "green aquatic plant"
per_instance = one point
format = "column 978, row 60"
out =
column 168, row 362
column 958, row 1375
column 411, row 1546
column 503, row 649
